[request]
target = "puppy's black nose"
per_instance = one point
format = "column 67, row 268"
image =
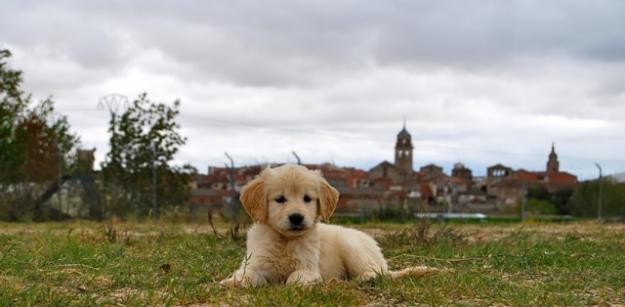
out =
column 296, row 219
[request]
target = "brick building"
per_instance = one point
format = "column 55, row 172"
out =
column 508, row 186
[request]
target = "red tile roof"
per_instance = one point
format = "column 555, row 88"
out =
column 561, row 178
column 546, row 177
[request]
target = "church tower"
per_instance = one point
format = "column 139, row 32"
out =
column 403, row 151
column 553, row 166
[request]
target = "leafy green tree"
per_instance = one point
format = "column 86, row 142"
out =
column 584, row 201
column 559, row 199
column 12, row 105
column 143, row 140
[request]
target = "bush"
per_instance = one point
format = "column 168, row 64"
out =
column 584, row 201
column 559, row 198
column 538, row 206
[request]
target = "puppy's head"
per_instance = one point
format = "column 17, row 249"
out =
column 290, row 198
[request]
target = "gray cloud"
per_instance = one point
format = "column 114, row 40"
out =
column 271, row 42
column 486, row 82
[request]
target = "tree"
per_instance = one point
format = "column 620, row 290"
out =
column 584, row 201
column 559, row 199
column 45, row 142
column 12, row 105
column 143, row 142
column 33, row 142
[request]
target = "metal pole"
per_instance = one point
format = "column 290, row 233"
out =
column 55, row 118
column 113, row 103
column 600, row 196
column 231, row 171
column 524, row 202
column 231, row 183
column 60, row 156
column 299, row 161
column 154, row 194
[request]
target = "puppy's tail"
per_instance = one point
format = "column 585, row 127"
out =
column 414, row 271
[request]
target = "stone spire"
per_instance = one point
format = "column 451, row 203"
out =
column 553, row 165
column 403, row 151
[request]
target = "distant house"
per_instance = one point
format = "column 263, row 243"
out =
column 384, row 175
column 509, row 186
column 462, row 172
column 431, row 170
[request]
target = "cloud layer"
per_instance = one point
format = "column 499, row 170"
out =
column 496, row 81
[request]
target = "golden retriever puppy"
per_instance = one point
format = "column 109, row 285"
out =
column 288, row 243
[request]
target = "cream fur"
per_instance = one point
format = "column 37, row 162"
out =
column 277, row 254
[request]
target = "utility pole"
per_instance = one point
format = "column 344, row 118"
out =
column 231, row 177
column 524, row 202
column 299, row 161
column 55, row 118
column 113, row 103
column 155, row 212
column 453, row 199
column 60, row 157
column 599, row 196
column 231, row 170
column 231, row 183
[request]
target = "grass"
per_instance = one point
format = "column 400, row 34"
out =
column 83, row 263
column 510, row 219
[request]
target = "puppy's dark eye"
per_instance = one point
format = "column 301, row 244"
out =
column 280, row 199
column 307, row 199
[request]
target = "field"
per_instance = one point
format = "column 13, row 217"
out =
column 84, row 263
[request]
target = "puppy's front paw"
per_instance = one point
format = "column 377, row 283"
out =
column 247, row 279
column 229, row 282
column 302, row 277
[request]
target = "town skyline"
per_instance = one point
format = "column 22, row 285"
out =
column 447, row 169
column 400, row 184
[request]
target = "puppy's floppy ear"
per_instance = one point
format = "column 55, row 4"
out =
column 328, row 199
column 254, row 199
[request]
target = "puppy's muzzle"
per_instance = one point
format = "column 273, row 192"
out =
column 297, row 221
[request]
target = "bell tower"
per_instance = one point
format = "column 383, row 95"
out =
column 403, row 151
column 553, row 166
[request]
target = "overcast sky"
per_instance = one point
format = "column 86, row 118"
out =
column 493, row 81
